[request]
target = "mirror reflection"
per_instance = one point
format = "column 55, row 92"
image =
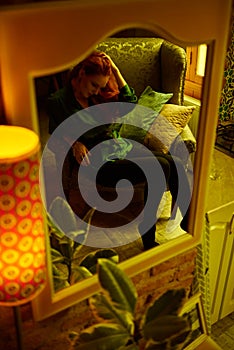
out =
column 149, row 72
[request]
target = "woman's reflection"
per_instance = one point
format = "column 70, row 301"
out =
column 94, row 82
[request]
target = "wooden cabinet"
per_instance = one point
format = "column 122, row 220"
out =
column 220, row 225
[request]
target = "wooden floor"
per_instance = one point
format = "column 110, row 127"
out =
column 222, row 332
column 120, row 231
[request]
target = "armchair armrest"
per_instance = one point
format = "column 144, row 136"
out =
column 186, row 137
column 173, row 70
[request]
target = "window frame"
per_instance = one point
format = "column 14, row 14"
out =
column 193, row 81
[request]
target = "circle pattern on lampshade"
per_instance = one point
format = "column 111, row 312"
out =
column 22, row 243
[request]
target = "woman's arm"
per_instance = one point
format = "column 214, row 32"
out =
column 127, row 94
column 118, row 76
column 81, row 153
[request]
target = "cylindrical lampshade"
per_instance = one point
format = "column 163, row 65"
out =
column 22, row 242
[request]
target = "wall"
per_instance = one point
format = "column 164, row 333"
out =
column 226, row 109
column 52, row 333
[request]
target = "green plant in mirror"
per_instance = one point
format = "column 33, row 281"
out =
column 121, row 328
column 67, row 265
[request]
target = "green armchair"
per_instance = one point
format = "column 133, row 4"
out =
column 149, row 61
column 157, row 63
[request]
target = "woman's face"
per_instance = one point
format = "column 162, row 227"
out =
column 89, row 85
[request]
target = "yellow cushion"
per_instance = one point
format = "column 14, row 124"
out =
column 167, row 126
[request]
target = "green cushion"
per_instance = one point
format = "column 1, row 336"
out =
column 136, row 123
column 154, row 100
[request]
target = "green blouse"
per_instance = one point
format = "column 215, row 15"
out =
column 62, row 104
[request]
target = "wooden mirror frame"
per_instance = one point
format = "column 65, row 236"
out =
column 32, row 38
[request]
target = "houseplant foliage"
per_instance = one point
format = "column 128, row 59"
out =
column 65, row 247
column 120, row 328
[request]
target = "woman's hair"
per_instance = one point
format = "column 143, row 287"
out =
column 98, row 63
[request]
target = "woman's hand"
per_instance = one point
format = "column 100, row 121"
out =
column 81, row 153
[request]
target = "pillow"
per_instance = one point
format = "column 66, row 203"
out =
column 153, row 99
column 167, row 126
column 136, row 123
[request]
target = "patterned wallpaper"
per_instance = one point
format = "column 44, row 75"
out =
column 226, row 109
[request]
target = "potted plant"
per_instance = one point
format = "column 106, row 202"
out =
column 66, row 242
column 119, row 327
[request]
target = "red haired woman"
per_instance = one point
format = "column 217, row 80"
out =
column 94, row 81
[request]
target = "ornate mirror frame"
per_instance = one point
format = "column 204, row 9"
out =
column 31, row 41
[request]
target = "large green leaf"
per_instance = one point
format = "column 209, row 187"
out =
column 56, row 256
column 151, row 345
column 165, row 327
column 104, row 310
column 167, row 345
column 118, row 285
column 78, row 235
column 61, row 270
column 59, row 279
column 82, row 230
column 62, row 215
column 102, row 337
column 59, row 284
column 79, row 273
column 67, row 252
column 91, row 259
column 130, row 347
column 53, row 229
column 109, row 254
column 84, row 226
column 175, row 343
column 63, row 222
column 169, row 303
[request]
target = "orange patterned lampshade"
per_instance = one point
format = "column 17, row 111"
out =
column 22, row 243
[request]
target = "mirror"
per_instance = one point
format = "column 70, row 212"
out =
column 166, row 230
column 46, row 29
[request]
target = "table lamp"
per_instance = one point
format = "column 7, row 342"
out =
column 22, row 243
